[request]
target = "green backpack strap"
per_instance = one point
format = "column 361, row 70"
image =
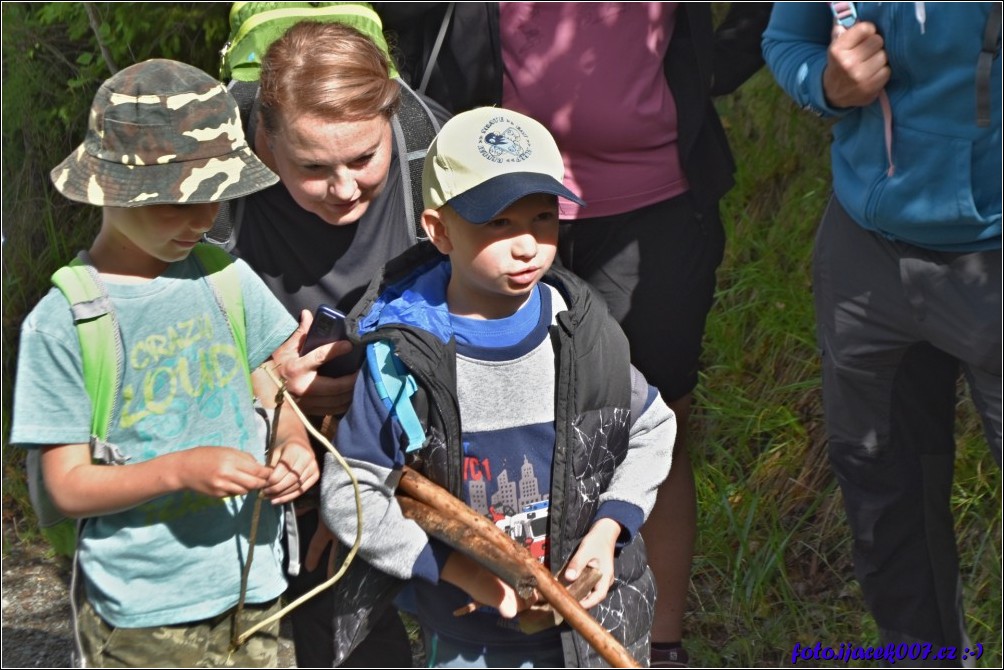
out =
column 101, row 353
column 100, row 340
column 221, row 273
column 395, row 386
column 98, row 332
column 101, row 356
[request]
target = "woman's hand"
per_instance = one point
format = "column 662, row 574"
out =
column 316, row 394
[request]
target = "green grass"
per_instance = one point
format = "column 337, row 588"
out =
column 773, row 560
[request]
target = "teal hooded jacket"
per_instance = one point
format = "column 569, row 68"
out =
column 944, row 192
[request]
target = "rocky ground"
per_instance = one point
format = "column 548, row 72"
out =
column 37, row 630
column 36, row 609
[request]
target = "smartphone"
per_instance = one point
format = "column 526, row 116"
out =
column 328, row 327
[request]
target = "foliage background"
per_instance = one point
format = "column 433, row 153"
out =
column 773, row 556
column 55, row 56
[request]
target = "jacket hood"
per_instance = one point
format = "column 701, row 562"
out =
column 418, row 299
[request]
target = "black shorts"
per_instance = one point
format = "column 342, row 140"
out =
column 655, row 267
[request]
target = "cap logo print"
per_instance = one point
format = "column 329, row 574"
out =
column 485, row 159
column 502, row 141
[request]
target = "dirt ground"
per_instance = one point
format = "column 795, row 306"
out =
column 36, row 630
column 36, row 609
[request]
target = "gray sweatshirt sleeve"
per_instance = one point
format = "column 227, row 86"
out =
column 650, row 449
column 370, row 445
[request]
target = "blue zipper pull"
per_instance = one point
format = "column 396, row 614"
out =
column 844, row 13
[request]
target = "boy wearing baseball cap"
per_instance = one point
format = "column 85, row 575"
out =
column 535, row 417
column 167, row 496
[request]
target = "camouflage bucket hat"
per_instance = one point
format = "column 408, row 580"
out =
column 161, row 132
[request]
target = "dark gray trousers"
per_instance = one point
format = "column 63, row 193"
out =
column 895, row 324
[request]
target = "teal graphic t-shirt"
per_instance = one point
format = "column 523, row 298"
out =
column 177, row 558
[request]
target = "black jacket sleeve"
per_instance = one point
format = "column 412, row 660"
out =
column 737, row 45
column 467, row 71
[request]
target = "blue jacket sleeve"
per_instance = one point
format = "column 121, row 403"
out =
column 794, row 47
column 369, row 440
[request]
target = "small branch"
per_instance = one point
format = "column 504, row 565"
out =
column 92, row 18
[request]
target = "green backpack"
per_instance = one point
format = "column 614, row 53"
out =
column 255, row 25
column 102, row 354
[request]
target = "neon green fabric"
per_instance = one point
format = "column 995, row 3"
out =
column 98, row 343
column 255, row 25
column 223, row 277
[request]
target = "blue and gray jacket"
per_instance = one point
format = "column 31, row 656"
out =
column 592, row 423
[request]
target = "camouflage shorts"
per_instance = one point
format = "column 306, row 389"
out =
column 202, row 644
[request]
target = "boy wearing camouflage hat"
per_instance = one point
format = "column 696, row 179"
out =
column 168, row 496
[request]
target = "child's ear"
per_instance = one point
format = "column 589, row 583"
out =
column 435, row 228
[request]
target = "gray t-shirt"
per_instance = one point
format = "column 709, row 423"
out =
column 306, row 262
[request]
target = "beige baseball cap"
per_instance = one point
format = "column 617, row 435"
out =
column 485, row 159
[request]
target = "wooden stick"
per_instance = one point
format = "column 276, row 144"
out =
column 494, row 556
column 543, row 615
column 235, row 626
column 462, row 528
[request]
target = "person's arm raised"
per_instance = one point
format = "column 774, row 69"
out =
column 856, row 66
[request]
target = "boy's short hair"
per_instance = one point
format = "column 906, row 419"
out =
column 161, row 132
column 485, row 159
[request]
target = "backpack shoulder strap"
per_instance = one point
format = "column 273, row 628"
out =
column 396, row 386
column 246, row 94
column 101, row 359
column 414, row 127
column 221, row 273
column 101, row 353
column 430, row 64
column 100, row 340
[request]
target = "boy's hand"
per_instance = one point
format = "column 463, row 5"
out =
column 220, row 471
column 294, row 470
column 316, row 393
column 484, row 587
column 856, row 66
column 596, row 549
